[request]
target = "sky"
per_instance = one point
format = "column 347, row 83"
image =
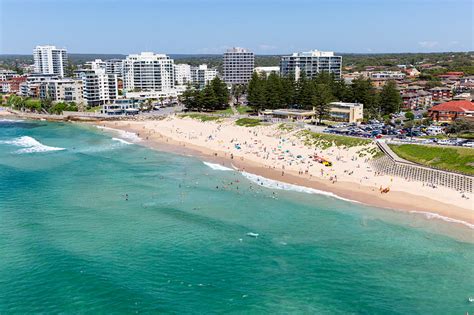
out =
column 212, row 26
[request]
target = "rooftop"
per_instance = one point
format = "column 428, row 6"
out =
column 454, row 106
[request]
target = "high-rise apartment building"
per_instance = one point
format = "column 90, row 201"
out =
column 182, row 74
column 202, row 75
column 311, row 63
column 50, row 60
column 148, row 72
column 98, row 86
column 111, row 66
column 238, row 65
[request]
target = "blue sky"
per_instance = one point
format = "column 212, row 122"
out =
column 211, row 26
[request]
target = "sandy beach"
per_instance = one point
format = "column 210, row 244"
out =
column 283, row 155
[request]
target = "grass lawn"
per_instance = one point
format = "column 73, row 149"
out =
column 325, row 141
column 244, row 109
column 454, row 158
column 202, row 117
column 247, row 122
column 227, row 111
column 93, row 109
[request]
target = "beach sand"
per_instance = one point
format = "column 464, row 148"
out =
column 282, row 155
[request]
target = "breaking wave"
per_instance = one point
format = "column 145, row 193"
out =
column 430, row 215
column 217, row 167
column 274, row 184
column 123, row 134
column 30, row 145
column 121, row 141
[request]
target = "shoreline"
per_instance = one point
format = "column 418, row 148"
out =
column 367, row 195
column 345, row 190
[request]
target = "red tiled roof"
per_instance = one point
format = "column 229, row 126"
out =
column 454, row 106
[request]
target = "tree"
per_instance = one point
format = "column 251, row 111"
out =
column 305, row 92
column 221, row 93
column 208, row 99
column 273, row 92
column 389, row 99
column 237, row 91
column 362, row 91
column 409, row 116
column 321, row 99
column 256, row 92
column 461, row 125
column 189, row 98
column 70, row 68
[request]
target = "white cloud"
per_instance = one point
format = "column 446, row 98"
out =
column 428, row 44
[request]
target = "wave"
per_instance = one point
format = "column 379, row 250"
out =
column 30, row 145
column 11, row 120
column 123, row 134
column 430, row 215
column 121, row 141
column 217, row 167
column 274, row 184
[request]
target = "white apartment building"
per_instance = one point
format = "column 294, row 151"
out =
column 111, row 66
column 182, row 74
column 62, row 90
column 387, row 75
column 7, row 74
column 202, row 75
column 148, row 72
column 49, row 60
column 31, row 87
column 311, row 63
column 98, row 87
column 238, row 65
column 267, row 70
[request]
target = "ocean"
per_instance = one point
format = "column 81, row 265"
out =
column 93, row 222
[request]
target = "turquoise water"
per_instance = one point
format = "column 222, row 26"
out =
column 72, row 241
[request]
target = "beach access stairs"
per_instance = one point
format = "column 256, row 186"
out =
column 391, row 164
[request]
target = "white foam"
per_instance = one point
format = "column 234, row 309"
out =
column 217, row 167
column 10, row 120
column 121, row 141
column 123, row 134
column 274, row 184
column 430, row 215
column 30, row 145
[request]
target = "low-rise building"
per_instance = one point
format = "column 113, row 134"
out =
column 62, row 90
column 416, row 100
column 339, row 111
column 6, row 74
column 267, row 70
column 347, row 112
column 441, row 93
column 121, row 107
column 450, row 111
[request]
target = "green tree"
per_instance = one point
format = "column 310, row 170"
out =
column 409, row 115
column 305, row 92
column 208, row 99
column 256, row 92
column 362, row 91
column 390, row 99
column 321, row 98
column 221, row 93
column 237, row 91
column 273, row 92
column 70, row 68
